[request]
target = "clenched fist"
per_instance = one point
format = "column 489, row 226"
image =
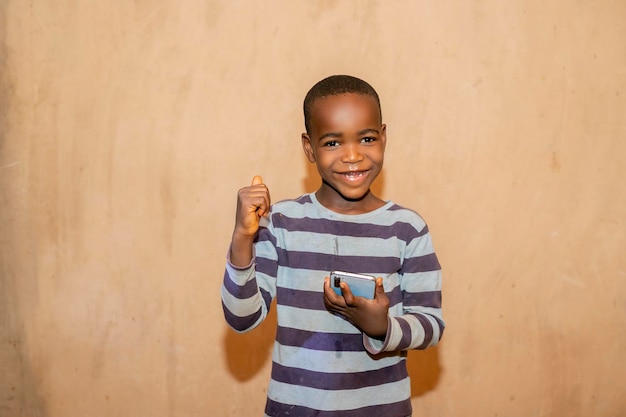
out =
column 253, row 202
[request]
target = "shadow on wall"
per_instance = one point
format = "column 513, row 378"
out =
column 424, row 369
column 248, row 353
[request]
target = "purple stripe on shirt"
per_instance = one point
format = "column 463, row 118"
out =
column 424, row 263
column 240, row 291
column 265, row 295
column 310, row 300
column 428, row 330
column 329, row 262
column 424, row 299
column 267, row 298
column 405, row 341
column 339, row 380
column 395, row 295
column 330, row 342
column 266, row 266
column 441, row 326
column 400, row 230
column 399, row 409
column 264, row 235
column 302, row 200
column 240, row 323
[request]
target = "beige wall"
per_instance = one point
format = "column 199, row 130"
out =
column 127, row 127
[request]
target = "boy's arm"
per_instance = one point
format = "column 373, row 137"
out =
column 422, row 324
column 247, row 293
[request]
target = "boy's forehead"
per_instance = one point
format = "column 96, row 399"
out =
column 326, row 109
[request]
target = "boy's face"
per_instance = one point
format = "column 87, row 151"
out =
column 347, row 143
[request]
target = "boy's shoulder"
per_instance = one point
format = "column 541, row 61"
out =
column 407, row 215
column 390, row 214
column 298, row 203
column 401, row 210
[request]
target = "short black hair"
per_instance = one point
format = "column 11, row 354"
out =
column 333, row 86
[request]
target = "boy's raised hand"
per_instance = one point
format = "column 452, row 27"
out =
column 370, row 316
column 253, row 202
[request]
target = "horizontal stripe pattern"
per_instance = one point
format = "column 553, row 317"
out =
column 399, row 409
column 319, row 320
column 242, row 323
column 247, row 290
column 321, row 261
column 335, row 227
column 386, row 396
column 425, row 298
column 338, row 380
column 329, row 342
column 321, row 361
column 322, row 364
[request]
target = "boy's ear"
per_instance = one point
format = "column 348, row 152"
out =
column 383, row 134
column 308, row 148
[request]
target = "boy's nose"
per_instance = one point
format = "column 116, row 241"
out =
column 352, row 154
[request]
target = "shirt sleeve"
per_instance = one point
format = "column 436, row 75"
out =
column 421, row 325
column 247, row 292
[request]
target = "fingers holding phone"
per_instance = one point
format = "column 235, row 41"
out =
column 367, row 314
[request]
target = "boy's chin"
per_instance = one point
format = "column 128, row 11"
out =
column 348, row 195
column 355, row 197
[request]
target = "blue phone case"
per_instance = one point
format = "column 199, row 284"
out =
column 361, row 285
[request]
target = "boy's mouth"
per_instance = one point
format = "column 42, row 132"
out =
column 353, row 175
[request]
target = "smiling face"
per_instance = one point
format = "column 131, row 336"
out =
column 347, row 143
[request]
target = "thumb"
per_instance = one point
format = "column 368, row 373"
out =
column 379, row 286
column 257, row 180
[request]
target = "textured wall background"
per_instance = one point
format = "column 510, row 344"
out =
column 127, row 127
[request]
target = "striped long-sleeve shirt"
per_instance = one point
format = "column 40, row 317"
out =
column 321, row 364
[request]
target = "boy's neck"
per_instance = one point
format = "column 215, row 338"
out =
column 335, row 202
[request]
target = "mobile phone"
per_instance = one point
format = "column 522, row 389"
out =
column 361, row 285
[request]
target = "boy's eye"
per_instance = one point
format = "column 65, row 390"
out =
column 331, row 143
column 368, row 139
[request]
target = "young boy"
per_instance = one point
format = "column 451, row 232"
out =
column 336, row 355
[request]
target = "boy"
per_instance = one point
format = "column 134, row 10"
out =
column 336, row 355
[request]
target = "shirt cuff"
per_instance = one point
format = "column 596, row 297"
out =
column 239, row 275
column 376, row 346
column 240, row 268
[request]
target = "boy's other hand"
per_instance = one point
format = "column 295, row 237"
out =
column 370, row 316
column 253, row 202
